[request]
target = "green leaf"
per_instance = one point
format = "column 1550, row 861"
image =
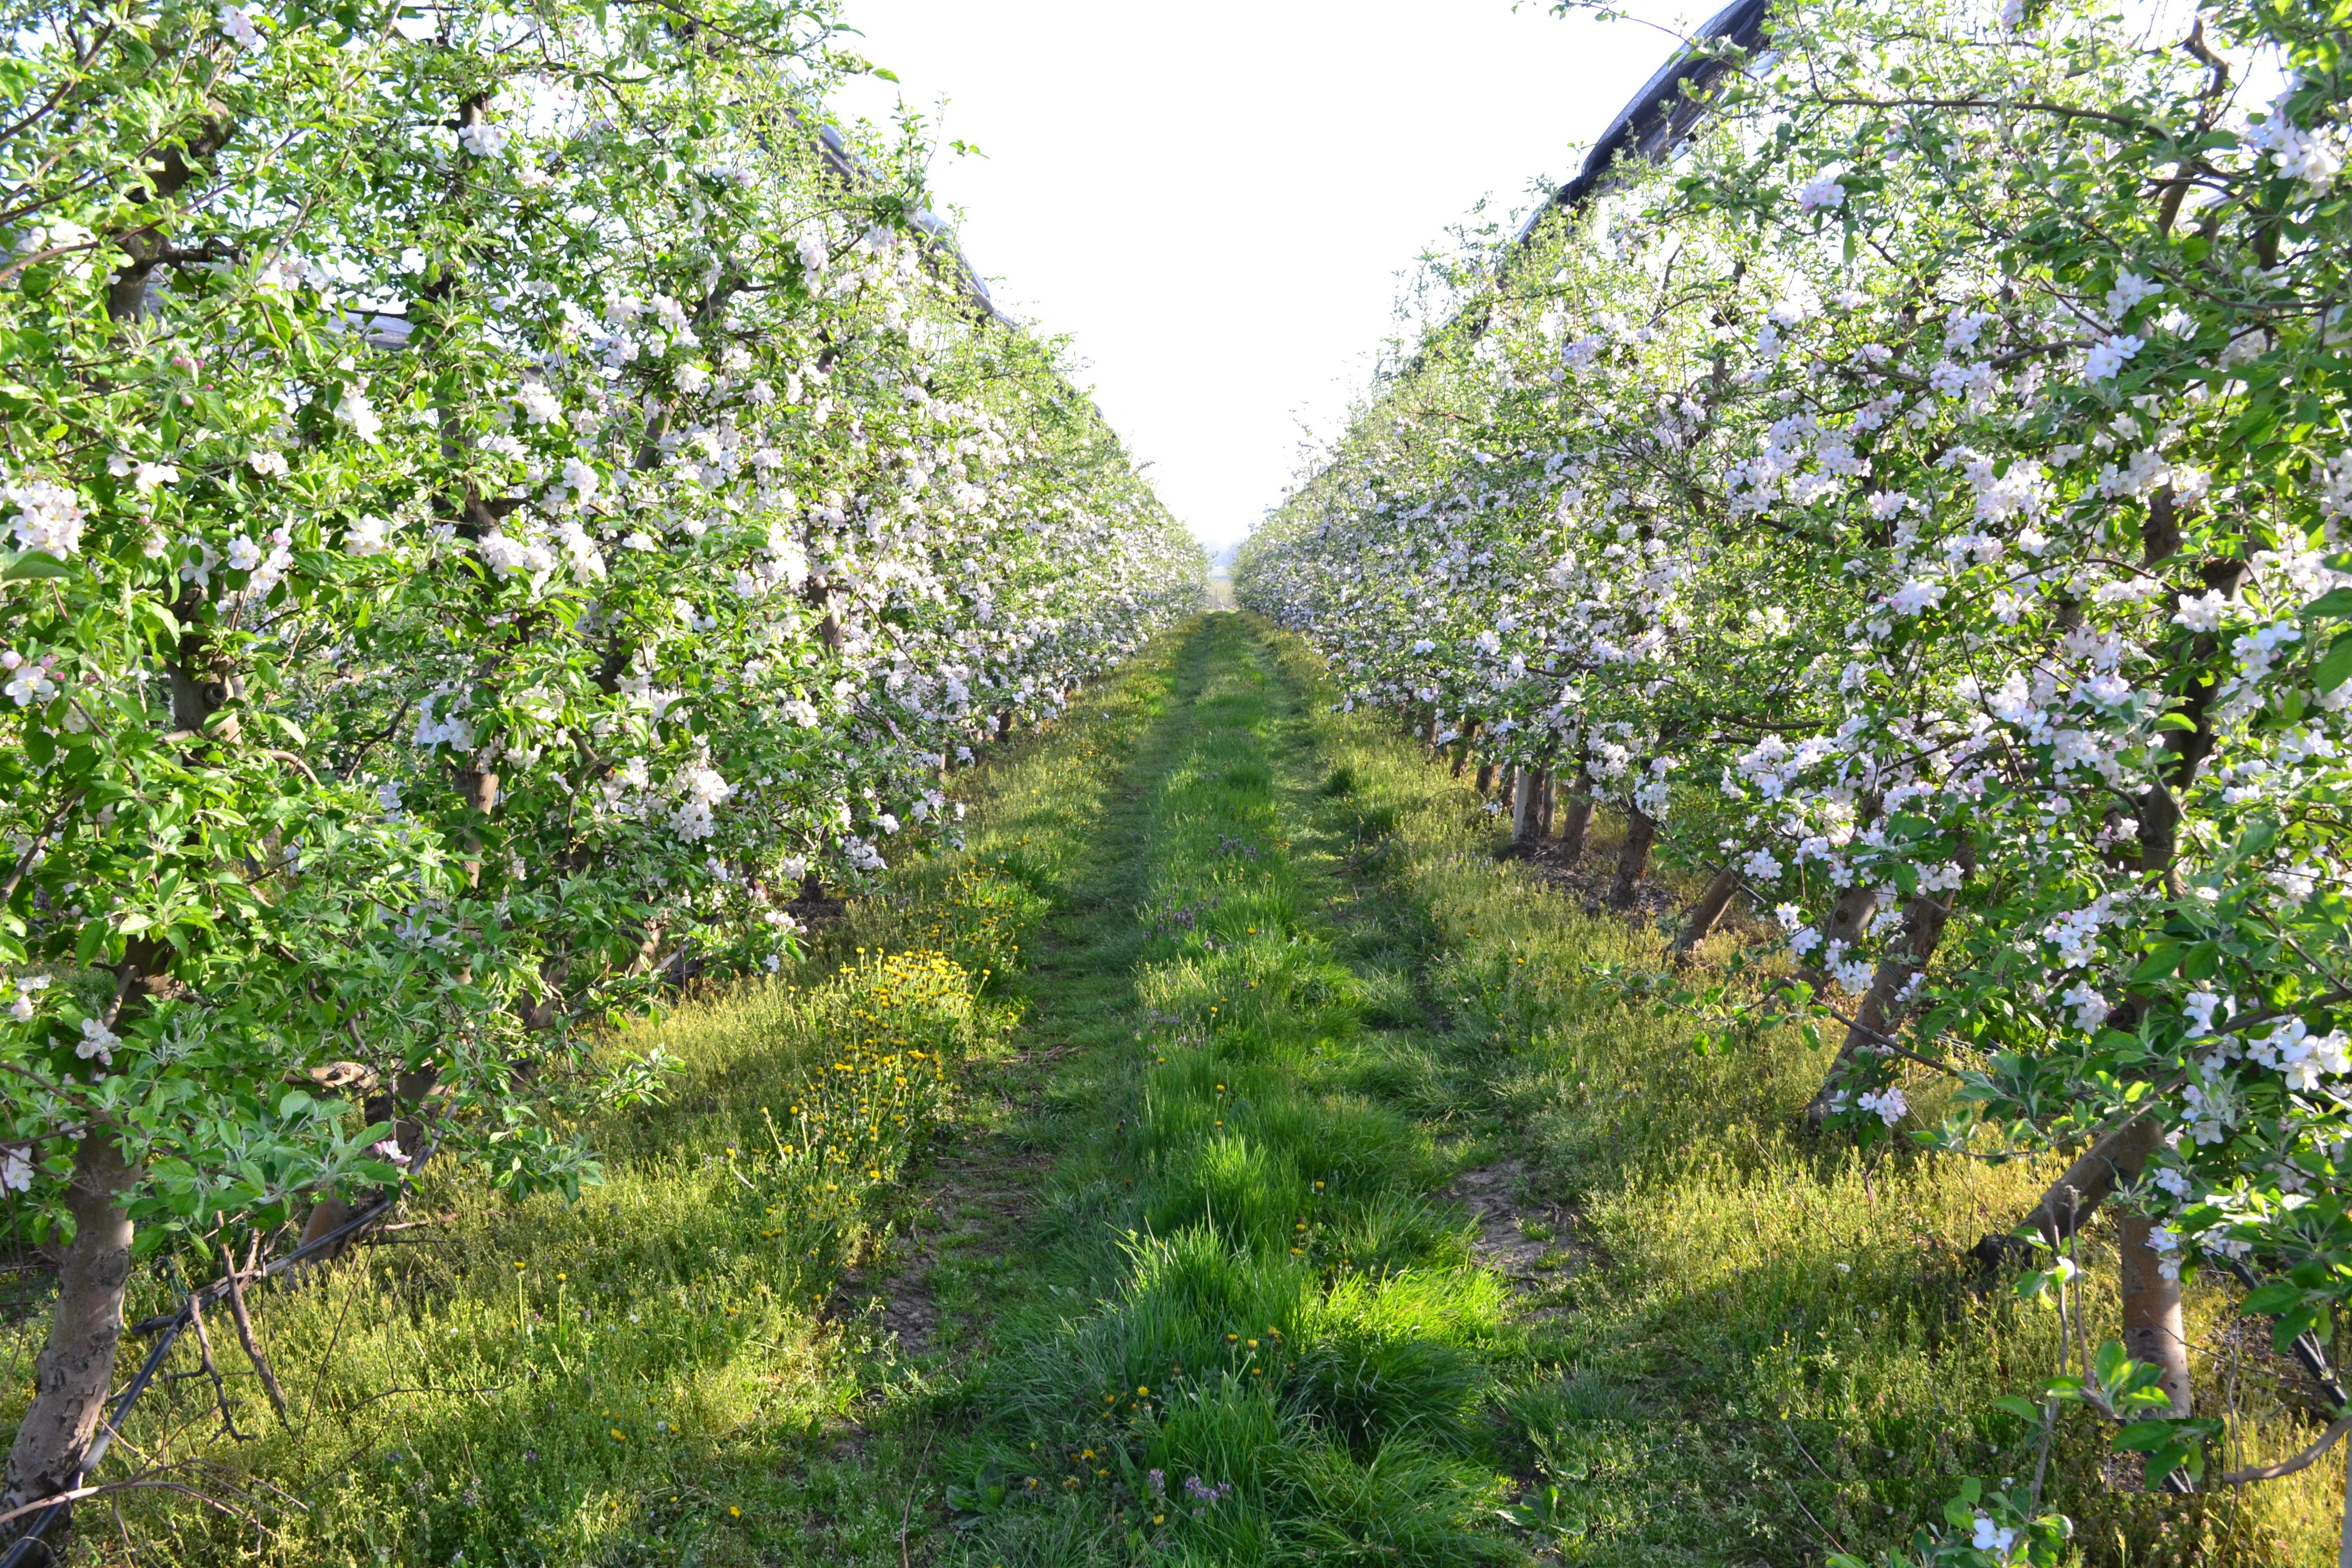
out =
column 2018, row 1406
column 2336, row 605
column 31, row 563
column 2144, row 1435
column 2274, row 1299
column 2336, row 667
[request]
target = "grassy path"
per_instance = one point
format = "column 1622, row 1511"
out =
column 1242, row 1330
column 1223, row 1159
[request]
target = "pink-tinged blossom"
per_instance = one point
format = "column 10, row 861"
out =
column 2129, row 290
column 1887, row 1104
column 237, row 24
column 1916, row 596
column 2089, row 1007
column 1820, row 192
column 2316, row 157
column 96, row 1043
column 29, row 681
column 483, row 140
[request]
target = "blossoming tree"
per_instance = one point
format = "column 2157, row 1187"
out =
column 1919, row 500
column 500, row 496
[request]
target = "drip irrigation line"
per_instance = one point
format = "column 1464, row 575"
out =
column 169, row 1326
column 2305, row 1348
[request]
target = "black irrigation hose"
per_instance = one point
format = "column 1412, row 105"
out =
column 2305, row 1349
column 169, row 1325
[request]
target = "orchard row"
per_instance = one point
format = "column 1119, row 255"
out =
column 1916, row 502
column 504, row 501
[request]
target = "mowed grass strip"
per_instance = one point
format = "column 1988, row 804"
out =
column 1260, row 1338
column 648, row 1375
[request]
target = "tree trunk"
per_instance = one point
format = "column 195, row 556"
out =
column 1525, row 817
column 2118, row 1157
column 2153, row 1331
column 1634, row 859
column 76, row 1368
column 1924, row 918
column 1462, row 747
column 1429, row 735
column 1485, row 777
column 1848, row 916
column 2151, row 1304
column 1709, row 908
column 1576, row 820
column 1545, row 790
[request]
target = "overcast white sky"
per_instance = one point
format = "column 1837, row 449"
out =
column 1216, row 200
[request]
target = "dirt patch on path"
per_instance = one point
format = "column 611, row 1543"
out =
column 971, row 1211
column 1526, row 1241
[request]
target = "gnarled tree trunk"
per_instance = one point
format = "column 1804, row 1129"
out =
column 1462, row 747
column 76, row 1368
column 1526, row 810
column 1924, row 920
column 1849, row 915
column 1633, row 859
column 1709, row 908
column 1576, row 819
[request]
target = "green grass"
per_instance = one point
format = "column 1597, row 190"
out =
column 1227, row 992
column 1259, row 1337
